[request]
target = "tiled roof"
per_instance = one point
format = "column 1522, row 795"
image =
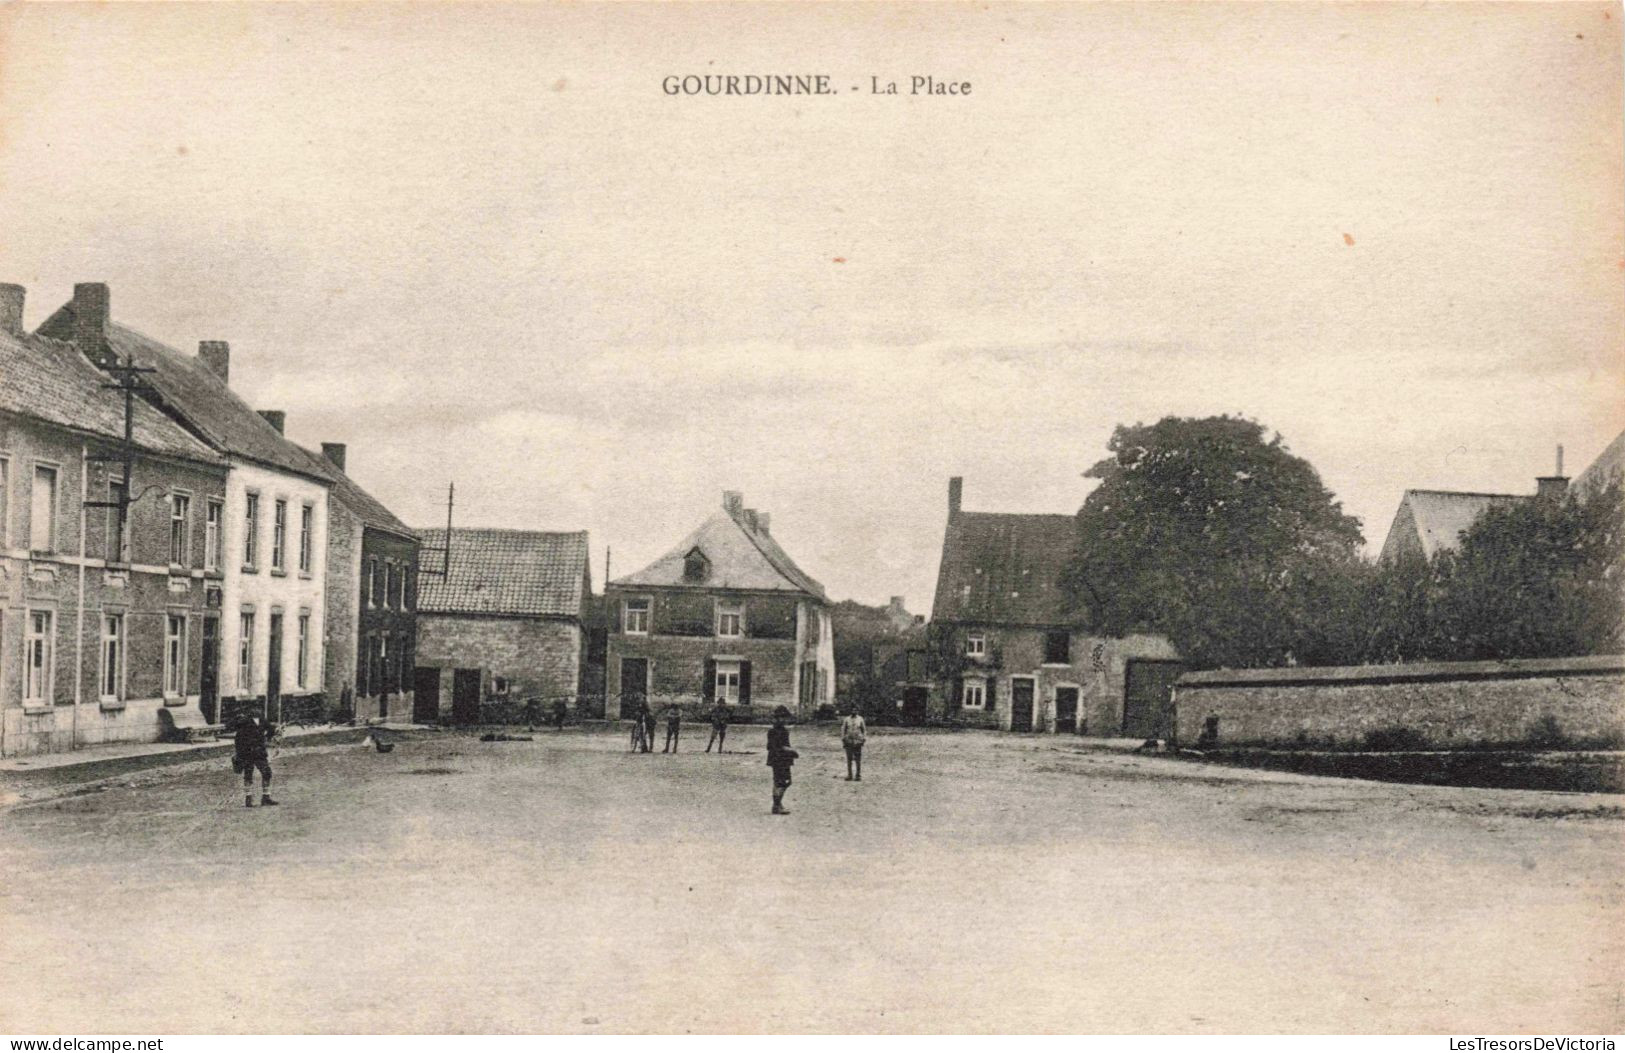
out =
column 514, row 572
column 50, row 381
column 740, row 557
column 193, row 392
column 1438, row 518
column 1609, row 463
column 1004, row 569
column 361, row 504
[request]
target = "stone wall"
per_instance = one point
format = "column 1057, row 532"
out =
column 343, row 590
column 1447, row 704
column 538, row 657
column 677, row 669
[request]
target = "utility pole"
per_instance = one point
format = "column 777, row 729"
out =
column 129, row 382
column 445, row 550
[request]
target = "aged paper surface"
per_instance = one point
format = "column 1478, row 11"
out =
column 598, row 264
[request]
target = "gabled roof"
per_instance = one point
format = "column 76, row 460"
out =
column 1609, row 463
column 50, row 381
column 1435, row 519
column 741, row 558
column 360, row 504
column 191, row 391
column 511, row 572
column 1005, row 569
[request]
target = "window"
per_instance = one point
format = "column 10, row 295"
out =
column 499, row 685
column 973, row 694
column 1058, row 648
column 728, row 683
column 251, row 530
column 696, row 567
column 391, row 585
column 212, row 535
column 976, row 645
column 180, row 530
column 409, row 589
column 42, row 517
column 37, row 658
column 635, row 617
column 307, row 517
column 279, row 535
column 116, row 539
column 175, row 655
column 373, row 598
column 245, row 652
column 730, row 619
column 383, row 661
column 112, row 678
column 303, row 654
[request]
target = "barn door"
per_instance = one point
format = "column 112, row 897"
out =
column 1066, row 710
column 1021, row 703
column 1148, row 697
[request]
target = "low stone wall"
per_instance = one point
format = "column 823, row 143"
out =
column 1556, row 702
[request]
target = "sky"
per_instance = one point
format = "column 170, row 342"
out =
column 481, row 244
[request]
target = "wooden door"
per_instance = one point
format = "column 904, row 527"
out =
column 425, row 695
column 914, row 705
column 273, row 672
column 1021, row 703
column 1147, row 698
column 1066, row 710
column 209, row 675
column 634, row 683
column 465, row 696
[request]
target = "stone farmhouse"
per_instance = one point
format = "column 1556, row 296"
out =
column 1011, row 653
column 725, row 616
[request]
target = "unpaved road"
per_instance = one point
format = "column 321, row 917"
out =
column 972, row 882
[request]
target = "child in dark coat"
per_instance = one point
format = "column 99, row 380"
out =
column 780, row 757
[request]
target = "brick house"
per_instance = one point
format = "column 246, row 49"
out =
column 501, row 617
column 372, row 571
column 100, row 634
column 1010, row 653
column 268, row 534
column 725, row 616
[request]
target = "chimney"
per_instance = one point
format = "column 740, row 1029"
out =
column 733, row 502
column 11, row 308
column 750, row 519
column 1552, row 487
column 216, row 356
column 764, row 522
column 334, row 452
column 275, row 418
column 956, row 493
column 90, row 315
column 897, row 603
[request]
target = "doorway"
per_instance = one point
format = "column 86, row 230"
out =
column 634, row 684
column 465, row 696
column 425, row 695
column 1066, row 710
column 1021, row 703
column 208, row 685
column 914, row 705
column 1148, row 697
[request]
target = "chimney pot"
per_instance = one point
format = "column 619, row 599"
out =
column 11, row 308
column 91, row 310
column 751, row 520
column 275, row 418
column 897, row 603
column 764, row 522
column 733, row 502
column 334, row 452
column 956, row 494
column 1551, row 487
column 216, row 357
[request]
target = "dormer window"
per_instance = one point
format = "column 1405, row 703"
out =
column 696, row 567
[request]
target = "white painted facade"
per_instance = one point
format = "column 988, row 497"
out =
column 255, row 585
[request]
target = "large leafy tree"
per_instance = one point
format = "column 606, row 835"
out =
column 1214, row 534
column 1537, row 579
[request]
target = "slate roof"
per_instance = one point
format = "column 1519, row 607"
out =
column 1609, row 463
column 50, row 381
column 1435, row 519
column 1005, row 569
column 361, row 504
column 192, row 391
column 510, row 572
column 741, row 558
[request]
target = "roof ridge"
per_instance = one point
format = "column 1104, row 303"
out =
column 508, row 530
column 810, row 584
column 1460, row 493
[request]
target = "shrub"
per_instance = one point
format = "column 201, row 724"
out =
column 1394, row 739
column 1547, row 733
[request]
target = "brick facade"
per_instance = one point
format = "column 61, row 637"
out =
column 1445, row 704
column 386, row 639
column 146, row 591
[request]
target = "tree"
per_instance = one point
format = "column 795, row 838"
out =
column 1538, row 579
column 1206, row 531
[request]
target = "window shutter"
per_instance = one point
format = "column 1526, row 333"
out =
column 744, row 683
column 992, row 697
column 709, row 687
